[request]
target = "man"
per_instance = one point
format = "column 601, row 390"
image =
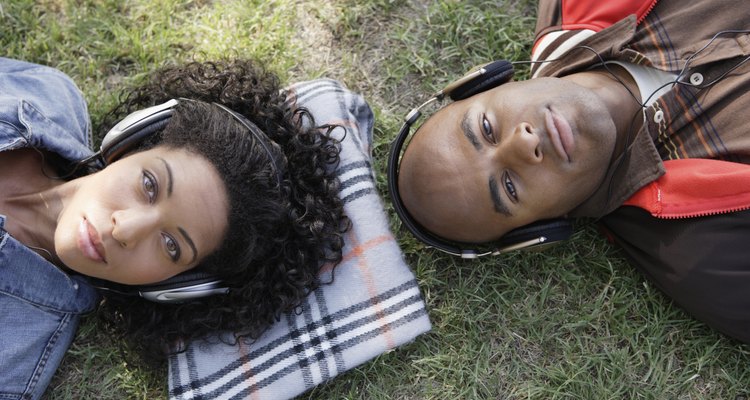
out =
column 633, row 115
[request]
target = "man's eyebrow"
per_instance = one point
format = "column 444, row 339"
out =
column 497, row 199
column 190, row 243
column 169, row 176
column 469, row 131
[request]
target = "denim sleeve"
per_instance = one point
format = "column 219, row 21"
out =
column 34, row 349
column 42, row 106
column 40, row 307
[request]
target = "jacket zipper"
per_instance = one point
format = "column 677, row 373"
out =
column 695, row 214
column 648, row 11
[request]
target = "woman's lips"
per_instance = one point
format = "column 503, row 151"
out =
column 89, row 242
column 560, row 134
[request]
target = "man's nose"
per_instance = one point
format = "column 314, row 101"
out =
column 131, row 225
column 522, row 146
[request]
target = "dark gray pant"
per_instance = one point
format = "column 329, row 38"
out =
column 702, row 263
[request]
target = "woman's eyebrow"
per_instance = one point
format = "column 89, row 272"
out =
column 169, row 176
column 183, row 232
column 190, row 243
column 469, row 131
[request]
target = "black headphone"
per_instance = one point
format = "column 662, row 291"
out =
column 125, row 136
column 480, row 79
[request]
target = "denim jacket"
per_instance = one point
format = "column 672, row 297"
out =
column 40, row 305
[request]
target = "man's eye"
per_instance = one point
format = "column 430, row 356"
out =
column 487, row 130
column 150, row 186
column 172, row 247
column 510, row 188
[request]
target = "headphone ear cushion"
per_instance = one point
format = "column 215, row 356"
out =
column 128, row 141
column 497, row 73
column 183, row 280
column 555, row 230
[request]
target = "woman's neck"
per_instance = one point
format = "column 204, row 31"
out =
column 31, row 199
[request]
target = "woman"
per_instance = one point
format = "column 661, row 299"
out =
column 254, row 208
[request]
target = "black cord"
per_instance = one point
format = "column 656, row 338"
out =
column 75, row 166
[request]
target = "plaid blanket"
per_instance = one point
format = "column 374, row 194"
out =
column 372, row 306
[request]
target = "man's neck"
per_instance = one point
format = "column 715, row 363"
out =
column 620, row 95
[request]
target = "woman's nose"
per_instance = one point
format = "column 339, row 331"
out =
column 131, row 225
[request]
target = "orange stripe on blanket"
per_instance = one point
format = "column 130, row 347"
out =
column 359, row 251
column 343, row 122
column 243, row 350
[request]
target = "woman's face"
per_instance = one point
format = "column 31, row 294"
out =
column 144, row 218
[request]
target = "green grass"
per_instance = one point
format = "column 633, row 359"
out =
column 572, row 322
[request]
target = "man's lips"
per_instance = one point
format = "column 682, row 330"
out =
column 89, row 242
column 560, row 133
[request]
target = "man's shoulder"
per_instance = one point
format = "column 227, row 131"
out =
column 594, row 15
column 565, row 25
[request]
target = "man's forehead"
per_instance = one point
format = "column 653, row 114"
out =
column 447, row 115
column 442, row 126
column 441, row 182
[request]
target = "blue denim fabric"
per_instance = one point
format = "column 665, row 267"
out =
column 40, row 305
column 39, row 311
column 40, row 106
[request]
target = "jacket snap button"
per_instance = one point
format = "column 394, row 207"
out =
column 659, row 116
column 696, row 79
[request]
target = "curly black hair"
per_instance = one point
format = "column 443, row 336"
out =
column 280, row 234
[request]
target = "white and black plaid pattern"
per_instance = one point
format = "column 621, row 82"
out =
column 314, row 350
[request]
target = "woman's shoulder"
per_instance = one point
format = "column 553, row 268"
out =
column 43, row 106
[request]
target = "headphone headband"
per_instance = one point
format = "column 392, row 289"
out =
column 259, row 135
column 480, row 79
column 141, row 124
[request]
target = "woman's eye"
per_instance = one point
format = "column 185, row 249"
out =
column 149, row 186
column 487, row 130
column 510, row 188
column 173, row 249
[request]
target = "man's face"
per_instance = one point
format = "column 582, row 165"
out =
column 504, row 158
